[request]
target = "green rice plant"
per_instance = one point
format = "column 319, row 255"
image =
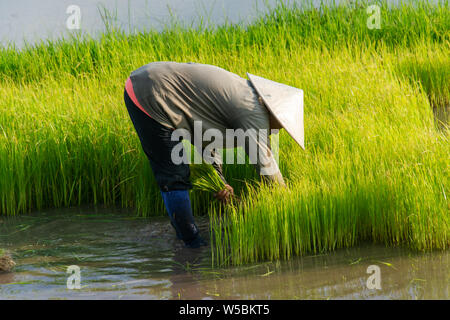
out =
column 430, row 71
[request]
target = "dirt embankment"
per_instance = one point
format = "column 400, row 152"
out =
column 6, row 263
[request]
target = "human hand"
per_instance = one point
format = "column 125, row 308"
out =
column 225, row 195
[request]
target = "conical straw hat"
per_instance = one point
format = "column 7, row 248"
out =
column 285, row 103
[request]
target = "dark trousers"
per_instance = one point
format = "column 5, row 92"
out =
column 157, row 145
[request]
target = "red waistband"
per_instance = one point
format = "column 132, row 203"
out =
column 130, row 91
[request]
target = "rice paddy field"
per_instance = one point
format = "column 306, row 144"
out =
column 376, row 101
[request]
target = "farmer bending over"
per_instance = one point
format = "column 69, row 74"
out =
column 164, row 96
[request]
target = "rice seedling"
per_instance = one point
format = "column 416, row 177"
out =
column 375, row 167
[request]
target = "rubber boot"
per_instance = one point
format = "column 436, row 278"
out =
column 178, row 206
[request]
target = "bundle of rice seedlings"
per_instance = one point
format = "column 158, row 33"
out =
column 205, row 178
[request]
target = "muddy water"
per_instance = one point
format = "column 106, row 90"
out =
column 124, row 257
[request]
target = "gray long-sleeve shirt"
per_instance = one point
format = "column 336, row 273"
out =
column 179, row 94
